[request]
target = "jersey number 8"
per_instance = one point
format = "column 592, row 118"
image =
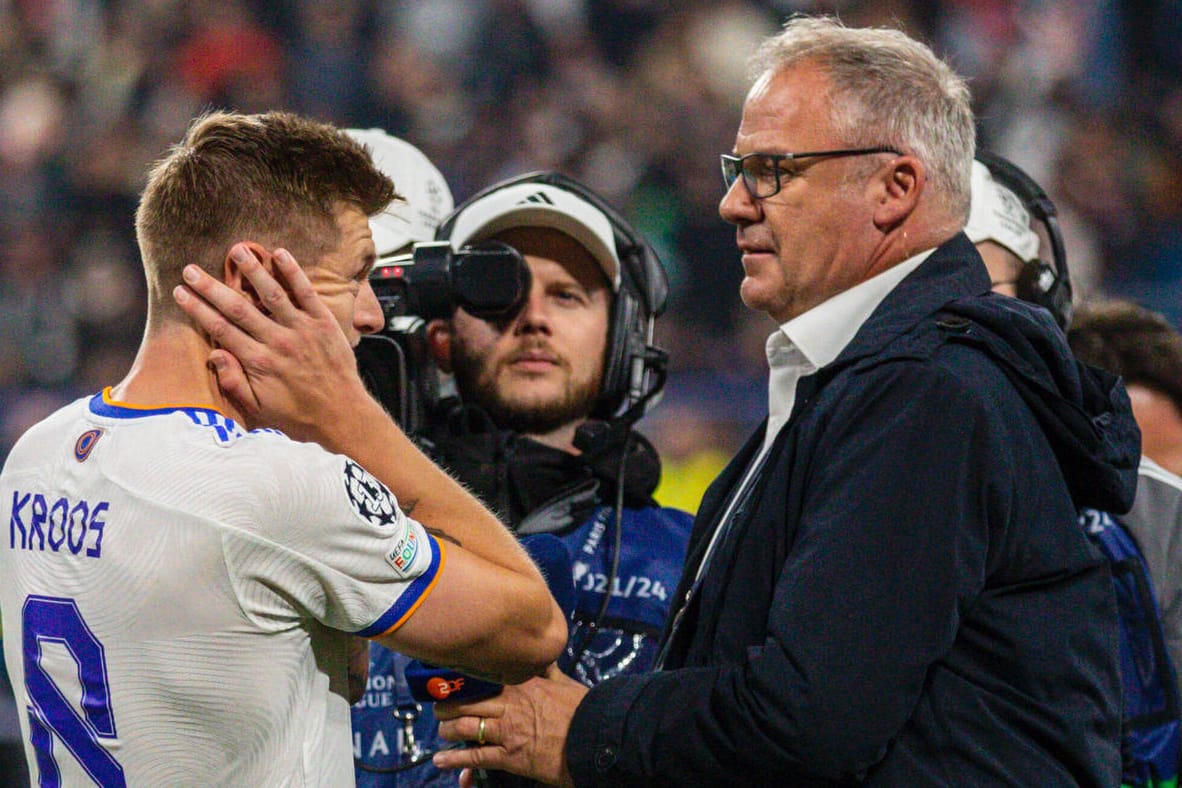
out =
column 56, row 620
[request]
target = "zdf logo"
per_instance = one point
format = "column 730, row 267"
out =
column 440, row 688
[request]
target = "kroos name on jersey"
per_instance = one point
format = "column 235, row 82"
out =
column 57, row 525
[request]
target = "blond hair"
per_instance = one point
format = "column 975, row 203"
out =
column 274, row 178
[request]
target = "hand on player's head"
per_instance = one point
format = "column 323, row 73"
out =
column 286, row 367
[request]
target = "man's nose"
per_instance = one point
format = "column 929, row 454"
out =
column 738, row 206
column 534, row 315
column 368, row 317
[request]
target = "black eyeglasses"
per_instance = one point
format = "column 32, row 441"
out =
column 764, row 173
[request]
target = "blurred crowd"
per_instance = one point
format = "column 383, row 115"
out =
column 634, row 97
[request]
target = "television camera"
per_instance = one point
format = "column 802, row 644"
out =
column 489, row 279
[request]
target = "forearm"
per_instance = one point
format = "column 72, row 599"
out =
column 483, row 620
column 362, row 430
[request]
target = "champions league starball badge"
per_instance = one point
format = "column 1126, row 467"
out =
column 369, row 497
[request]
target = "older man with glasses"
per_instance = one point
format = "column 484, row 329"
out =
column 887, row 585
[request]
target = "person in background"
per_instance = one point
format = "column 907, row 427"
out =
column 877, row 590
column 999, row 226
column 1143, row 544
column 1146, row 351
column 182, row 579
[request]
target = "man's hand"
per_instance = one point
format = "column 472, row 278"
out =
column 525, row 729
column 291, row 367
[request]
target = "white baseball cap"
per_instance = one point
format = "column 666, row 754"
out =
column 426, row 199
column 998, row 215
column 540, row 205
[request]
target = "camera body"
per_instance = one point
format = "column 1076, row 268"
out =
column 489, row 280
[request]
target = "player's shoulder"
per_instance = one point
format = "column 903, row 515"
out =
column 277, row 483
column 41, row 439
column 268, row 454
column 272, row 458
column 205, row 444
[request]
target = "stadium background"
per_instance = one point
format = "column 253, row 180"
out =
column 634, row 97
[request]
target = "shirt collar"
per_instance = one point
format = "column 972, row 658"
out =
column 823, row 332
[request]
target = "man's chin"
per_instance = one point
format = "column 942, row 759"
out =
column 539, row 412
column 531, row 391
column 525, row 407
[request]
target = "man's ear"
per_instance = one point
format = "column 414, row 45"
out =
column 900, row 187
column 233, row 275
column 439, row 343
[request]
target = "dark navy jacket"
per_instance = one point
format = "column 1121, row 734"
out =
column 905, row 597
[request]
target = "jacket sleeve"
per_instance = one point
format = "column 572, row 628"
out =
column 906, row 474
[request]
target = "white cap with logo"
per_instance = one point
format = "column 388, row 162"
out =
column 426, row 199
column 998, row 215
column 540, row 205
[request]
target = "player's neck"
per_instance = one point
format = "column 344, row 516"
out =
column 170, row 369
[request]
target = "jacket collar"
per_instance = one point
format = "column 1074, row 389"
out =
column 954, row 270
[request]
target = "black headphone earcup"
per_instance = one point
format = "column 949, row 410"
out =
column 634, row 368
column 1040, row 284
column 616, row 373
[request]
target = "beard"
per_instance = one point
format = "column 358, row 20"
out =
column 476, row 382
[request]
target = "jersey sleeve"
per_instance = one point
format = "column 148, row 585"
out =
column 328, row 541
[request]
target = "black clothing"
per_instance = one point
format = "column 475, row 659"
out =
column 518, row 477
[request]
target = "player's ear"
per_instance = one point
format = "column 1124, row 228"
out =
column 439, row 343
column 232, row 274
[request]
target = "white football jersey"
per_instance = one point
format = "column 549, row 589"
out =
column 176, row 594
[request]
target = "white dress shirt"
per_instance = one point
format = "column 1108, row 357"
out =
column 803, row 345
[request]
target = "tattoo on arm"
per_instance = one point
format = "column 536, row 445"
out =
column 440, row 534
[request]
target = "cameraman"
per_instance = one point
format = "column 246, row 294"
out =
column 524, row 386
column 540, row 428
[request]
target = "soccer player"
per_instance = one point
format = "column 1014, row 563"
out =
column 180, row 583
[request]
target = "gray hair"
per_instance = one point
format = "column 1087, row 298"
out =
column 887, row 89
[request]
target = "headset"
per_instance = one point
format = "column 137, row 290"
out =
column 634, row 368
column 1039, row 282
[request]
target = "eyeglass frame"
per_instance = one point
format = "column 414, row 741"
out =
column 735, row 163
